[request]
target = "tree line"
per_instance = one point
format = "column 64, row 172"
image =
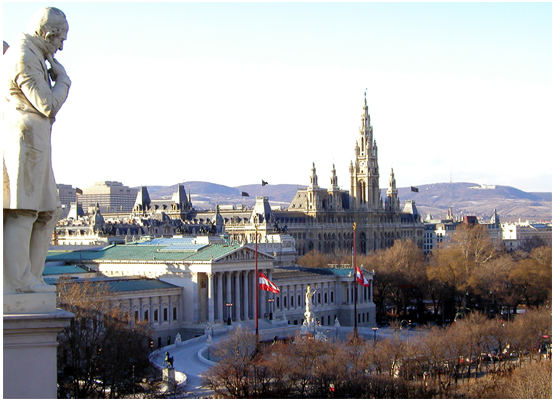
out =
column 467, row 273
column 476, row 357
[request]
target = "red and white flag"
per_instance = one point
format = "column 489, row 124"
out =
column 265, row 284
column 360, row 278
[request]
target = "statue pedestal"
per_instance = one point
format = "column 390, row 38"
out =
column 30, row 346
column 34, row 302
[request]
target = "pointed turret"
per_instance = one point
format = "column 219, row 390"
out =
column 392, row 184
column 494, row 218
column 180, row 198
column 333, row 179
column 262, row 212
column 75, row 211
column 142, row 202
column 392, row 198
column 313, row 177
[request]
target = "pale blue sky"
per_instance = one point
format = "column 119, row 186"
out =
column 232, row 93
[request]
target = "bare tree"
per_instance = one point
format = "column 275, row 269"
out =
column 99, row 352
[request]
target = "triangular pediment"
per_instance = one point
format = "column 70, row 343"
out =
column 245, row 253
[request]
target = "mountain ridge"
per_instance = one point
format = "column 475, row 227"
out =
column 465, row 198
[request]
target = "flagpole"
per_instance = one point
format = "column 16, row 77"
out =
column 355, row 277
column 256, row 280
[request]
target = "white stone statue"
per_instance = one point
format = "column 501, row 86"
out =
column 30, row 106
column 177, row 339
column 308, row 302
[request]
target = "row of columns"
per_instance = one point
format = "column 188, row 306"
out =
column 365, row 294
column 325, row 289
column 234, row 288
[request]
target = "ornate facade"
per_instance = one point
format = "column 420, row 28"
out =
column 317, row 218
column 322, row 218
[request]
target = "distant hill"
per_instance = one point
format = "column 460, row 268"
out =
column 474, row 199
column 196, row 188
column 463, row 197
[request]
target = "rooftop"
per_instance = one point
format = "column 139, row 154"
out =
column 325, row 271
column 158, row 250
column 124, row 284
column 63, row 269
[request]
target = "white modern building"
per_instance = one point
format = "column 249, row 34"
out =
column 516, row 234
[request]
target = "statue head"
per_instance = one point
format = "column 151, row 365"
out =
column 51, row 25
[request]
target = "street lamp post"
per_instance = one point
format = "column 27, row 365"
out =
column 355, row 331
column 229, row 305
column 271, row 308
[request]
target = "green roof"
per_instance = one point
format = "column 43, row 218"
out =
column 124, row 284
column 144, row 253
column 326, row 271
column 63, row 269
column 137, row 285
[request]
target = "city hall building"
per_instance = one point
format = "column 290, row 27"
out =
column 318, row 218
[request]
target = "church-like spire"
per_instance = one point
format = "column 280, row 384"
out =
column 392, row 184
column 313, row 177
column 494, row 218
column 392, row 197
column 364, row 171
column 333, row 179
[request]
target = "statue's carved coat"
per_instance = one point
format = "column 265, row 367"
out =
column 31, row 105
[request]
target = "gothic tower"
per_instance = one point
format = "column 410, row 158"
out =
column 334, row 192
column 392, row 197
column 365, row 176
column 313, row 197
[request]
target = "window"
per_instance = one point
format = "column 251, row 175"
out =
column 329, row 319
column 292, row 301
column 331, row 297
column 156, row 315
column 326, row 298
column 146, row 316
column 169, row 340
column 159, row 342
column 165, row 314
column 298, row 299
column 136, row 316
column 284, row 301
column 319, row 298
column 277, row 302
column 174, row 313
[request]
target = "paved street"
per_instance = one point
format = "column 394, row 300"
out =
column 186, row 358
